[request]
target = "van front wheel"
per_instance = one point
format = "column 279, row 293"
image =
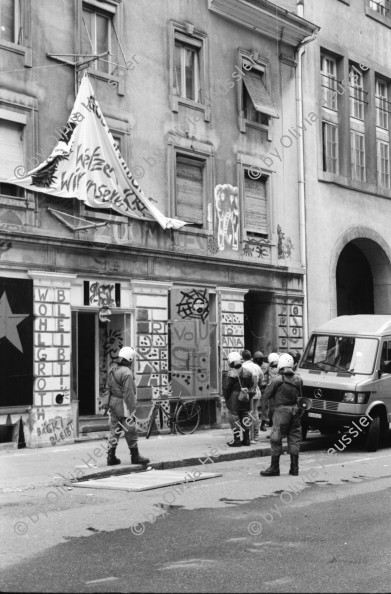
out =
column 373, row 435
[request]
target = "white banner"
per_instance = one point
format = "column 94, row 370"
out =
column 86, row 164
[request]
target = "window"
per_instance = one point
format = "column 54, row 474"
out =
column 357, row 93
column 257, row 105
column 256, row 204
column 380, row 6
column 96, row 36
column 330, row 147
column 329, row 82
column 381, row 99
column 357, row 155
column 10, row 21
column 383, row 164
column 189, row 69
column 11, row 155
column 190, row 189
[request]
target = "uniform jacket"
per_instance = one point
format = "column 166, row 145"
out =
column 232, row 388
column 122, row 389
column 284, row 389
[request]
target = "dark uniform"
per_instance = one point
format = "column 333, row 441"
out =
column 238, row 412
column 285, row 390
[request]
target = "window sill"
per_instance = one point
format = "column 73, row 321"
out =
column 384, row 20
column 112, row 80
column 364, row 187
column 15, row 48
column 19, row 202
column 176, row 101
column 243, row 123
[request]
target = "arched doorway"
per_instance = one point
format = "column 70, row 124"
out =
column 362, row 275
column 354, row 282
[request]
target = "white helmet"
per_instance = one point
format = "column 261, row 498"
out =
column 285, row 360
column 273, row 357
column 234, row 357
column 126, row 353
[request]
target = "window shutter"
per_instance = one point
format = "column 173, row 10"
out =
column 11, row 148
column 189, row 190
column 255, row 207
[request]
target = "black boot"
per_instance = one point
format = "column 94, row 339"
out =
column 112, row 460
column 294, row 469
column 274, row 468
column 235, row 443
column 263, row 426
column 246, row 438
column 136, row 458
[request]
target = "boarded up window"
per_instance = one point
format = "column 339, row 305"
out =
column 255, row 204
column 190, row 189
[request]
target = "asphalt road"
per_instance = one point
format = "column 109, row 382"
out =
column 327, row 530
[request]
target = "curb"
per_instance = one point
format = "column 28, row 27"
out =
column 196, row 461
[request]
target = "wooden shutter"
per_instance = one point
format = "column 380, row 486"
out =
column 11, row 148
column 255, row 204
column 190, row 189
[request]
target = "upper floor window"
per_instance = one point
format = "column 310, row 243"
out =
column 190, row 189
column 188, row 70
column 357, row 93
column 383, row 164
column 257, row 105
column 330, row 147
column 11, row 154
column 380, row 6
column 357, row 141
column 381, row 98
column 10, row 21
column 329, row 82
column 97, row 36
column 256, row 220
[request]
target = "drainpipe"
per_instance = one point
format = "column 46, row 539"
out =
column 302, row 211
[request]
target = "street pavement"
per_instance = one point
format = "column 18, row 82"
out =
column 43, row 467
column 326, row 530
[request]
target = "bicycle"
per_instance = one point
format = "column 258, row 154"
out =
column 185, row 418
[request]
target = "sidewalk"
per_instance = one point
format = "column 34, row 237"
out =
column 44, row 467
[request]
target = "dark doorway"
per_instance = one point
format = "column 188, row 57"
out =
column 86, row 363
column 354, row 282
column 258, row 322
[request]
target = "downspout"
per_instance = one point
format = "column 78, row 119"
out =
column 301, row 181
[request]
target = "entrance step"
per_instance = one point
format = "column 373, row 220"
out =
column 93, row 424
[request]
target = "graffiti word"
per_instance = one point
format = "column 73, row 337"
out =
column 260, row 247
column 59, row 427
column 194, row 305
column 101, row 295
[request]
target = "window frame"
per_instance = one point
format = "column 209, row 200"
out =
column 262, row 66
column 23, row 20
column 379, row 159
column 114, row 9
column 187, row 35
column 352, row 152
column 357, row 90
column 326, row 157
column 324, row 57
column 381, row 104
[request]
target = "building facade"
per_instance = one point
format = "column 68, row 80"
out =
column 201, row 100
column 347, row 159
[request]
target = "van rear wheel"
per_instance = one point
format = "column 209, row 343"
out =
column 372, row 438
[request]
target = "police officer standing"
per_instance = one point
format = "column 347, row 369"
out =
column 122, row 406
column 285, row 389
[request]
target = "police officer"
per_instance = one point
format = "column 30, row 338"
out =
column 285, row 390
column 122, row 406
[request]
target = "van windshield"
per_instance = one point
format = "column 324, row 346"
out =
column 340, row 354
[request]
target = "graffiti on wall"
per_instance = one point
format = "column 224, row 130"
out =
column 194, row 304
column 256, row 247
column 102, row 295
column 284, row 245
column 290, row 322
column 227, row 211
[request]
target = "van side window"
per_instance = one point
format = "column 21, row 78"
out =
column 385, row 361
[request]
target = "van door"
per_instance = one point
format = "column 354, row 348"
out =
column 384, row 385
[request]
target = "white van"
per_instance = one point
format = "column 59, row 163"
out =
column 346, row 371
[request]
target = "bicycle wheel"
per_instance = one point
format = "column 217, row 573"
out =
column 188, row 417
column 151, row 420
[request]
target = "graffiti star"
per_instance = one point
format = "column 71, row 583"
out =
column 9, row 322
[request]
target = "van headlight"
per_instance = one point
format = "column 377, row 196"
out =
column 362, row 397
column 349, row 397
